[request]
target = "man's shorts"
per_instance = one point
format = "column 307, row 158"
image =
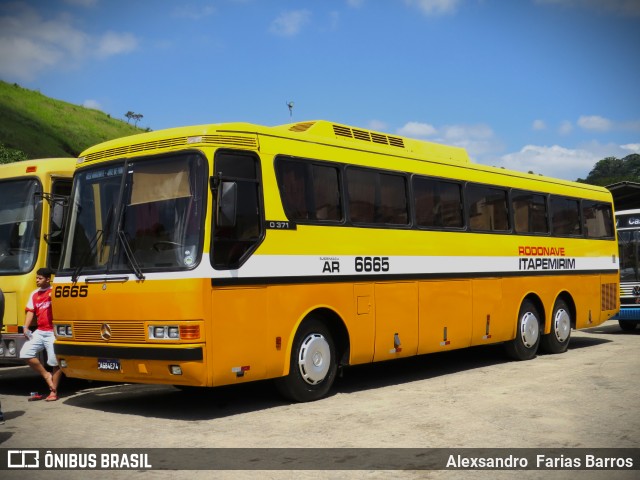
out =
column 41, row 340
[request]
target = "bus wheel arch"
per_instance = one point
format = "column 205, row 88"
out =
column 319, row 345
column 563, row 319
column 529, row 328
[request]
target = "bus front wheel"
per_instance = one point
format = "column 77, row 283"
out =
column 628, row 325
column 525, row 345
column 313, row 364
column 557, row 340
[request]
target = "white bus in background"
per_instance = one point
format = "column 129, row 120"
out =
column 628, row 224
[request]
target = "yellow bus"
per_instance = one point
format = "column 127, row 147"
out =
column 33, row 194
column 220, row 254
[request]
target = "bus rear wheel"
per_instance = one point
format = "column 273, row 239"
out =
column 525, row 345
column 313, row 366
column 557, row 340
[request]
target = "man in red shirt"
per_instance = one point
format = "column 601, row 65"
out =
column 39, row 307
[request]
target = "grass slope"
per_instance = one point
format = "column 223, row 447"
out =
column 44, row 127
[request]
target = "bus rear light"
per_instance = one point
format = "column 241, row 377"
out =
column 189, row 332
column 31, row 169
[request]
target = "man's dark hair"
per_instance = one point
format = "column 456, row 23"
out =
column 45, row 272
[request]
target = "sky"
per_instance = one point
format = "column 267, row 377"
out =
column 549, row 86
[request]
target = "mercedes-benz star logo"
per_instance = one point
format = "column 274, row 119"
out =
column 636, row 290
column 105, row 331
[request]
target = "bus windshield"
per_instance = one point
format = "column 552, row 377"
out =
column 19, row 225
column 629, row 241
column 143, row 215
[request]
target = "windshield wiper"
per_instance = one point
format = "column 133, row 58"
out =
column 130, row 256
column 85, row 256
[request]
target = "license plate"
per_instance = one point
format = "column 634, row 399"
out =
column 110, row 364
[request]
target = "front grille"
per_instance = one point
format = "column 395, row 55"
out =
column 627, row 290
column 121, row 332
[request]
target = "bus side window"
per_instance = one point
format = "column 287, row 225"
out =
column 487, row 208
column 437, row 203
column 60, row 190
column 310, row 192
column 231, row 245
column 529, row 212
column 565, row 216
column 376, row 197
column 598, row 219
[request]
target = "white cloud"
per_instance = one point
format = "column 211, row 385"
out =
column 478, row 140
column 565, row 128
column 30, row 43
column 417, row 130
column 561, row 162
column 92, row 104
column 554, row 161
column 289, row 24
column 539, row 125
column 377, row 125
column 113, row 43
column 355, row 3
column 632, row 147
column 434, row 7
column 595, row 123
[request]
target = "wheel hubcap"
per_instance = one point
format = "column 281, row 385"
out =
column 562, row 325
column 530, row 329
column 314, row 359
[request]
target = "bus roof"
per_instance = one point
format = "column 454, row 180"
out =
column 36, row 166
column 247, row 135
column 244, row 134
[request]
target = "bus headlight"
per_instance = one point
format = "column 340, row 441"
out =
column 164, row 332
column 11, row 348
column 174, row 332
column 64, row 331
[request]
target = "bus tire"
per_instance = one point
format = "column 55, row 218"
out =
column 525, row 345
column 627, row 325
column 557, row 340
column 313, row 366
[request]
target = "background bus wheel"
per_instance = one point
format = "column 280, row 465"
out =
column 557, row 340
column 313, row 364
column 525, row 345
column 627, row 325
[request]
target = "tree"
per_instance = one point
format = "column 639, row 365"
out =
column 137, row 117
column 129, row 116
column 10, row 155
column 612, row 170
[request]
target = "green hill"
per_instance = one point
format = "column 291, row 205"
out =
column 42, row 127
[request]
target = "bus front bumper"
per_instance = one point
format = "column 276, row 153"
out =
column 123, row 363
column 629, row 313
